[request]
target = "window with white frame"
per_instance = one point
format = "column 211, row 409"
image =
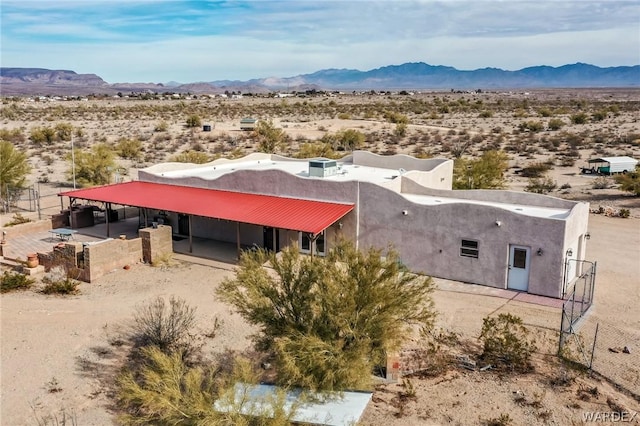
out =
column 469, row 248
column 306, row 243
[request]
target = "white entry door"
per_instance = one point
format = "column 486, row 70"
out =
column 519, row 260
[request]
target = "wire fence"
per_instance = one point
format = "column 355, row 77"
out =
column 40, row 199
column 606, row 348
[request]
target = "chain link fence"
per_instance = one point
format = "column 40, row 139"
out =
column 606, row 348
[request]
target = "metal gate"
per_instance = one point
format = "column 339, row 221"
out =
column 578, row 302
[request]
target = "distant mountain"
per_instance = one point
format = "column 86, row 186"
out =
column 409, row 76
column 419, row 75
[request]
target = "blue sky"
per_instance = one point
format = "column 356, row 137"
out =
column 188, row 41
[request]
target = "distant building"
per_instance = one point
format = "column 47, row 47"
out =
column 248, row 123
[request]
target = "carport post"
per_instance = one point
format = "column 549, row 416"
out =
column 71, row 200
column 274, row 240
column 106, row 215
column 238, row 237
column 190, row 237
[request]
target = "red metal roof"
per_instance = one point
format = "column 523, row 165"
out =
column 266, row 210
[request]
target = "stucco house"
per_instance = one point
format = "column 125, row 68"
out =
column 503, row 239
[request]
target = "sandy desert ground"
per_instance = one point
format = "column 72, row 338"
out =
column 71, row 343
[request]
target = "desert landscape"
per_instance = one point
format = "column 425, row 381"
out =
column 60, row 355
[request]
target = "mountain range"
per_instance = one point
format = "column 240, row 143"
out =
column 408, row 76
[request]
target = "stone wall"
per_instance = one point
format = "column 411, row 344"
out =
column 27, row 228
column 105, row 256
column 156, row 243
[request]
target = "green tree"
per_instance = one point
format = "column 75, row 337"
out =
column 93, row 167
column 486, row 172
column 269, row 137
column 630, row 182
column 329, row 320
column 14, row 169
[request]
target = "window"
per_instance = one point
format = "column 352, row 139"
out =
column 469, row 248
column 305, row 244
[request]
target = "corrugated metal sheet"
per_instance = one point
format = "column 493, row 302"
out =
column 279, row 212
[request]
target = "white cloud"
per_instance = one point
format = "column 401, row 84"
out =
column 260, row 39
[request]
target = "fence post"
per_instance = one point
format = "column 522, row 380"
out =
column 593, row 348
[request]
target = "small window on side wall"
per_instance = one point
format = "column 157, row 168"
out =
column 469, row 248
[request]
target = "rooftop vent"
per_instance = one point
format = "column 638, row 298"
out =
column 322, row 167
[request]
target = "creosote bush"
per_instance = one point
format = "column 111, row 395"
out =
column 57, row 281
column 506, row 342
column 10, row 281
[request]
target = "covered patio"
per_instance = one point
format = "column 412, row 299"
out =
column 237, row 210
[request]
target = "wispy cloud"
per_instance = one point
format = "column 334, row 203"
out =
column 207, row 40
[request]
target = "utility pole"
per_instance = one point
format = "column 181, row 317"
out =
column 73, row 163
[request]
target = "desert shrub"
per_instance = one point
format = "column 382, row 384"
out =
column 166, row 326
column 94, row 167
column 535, row 170
column 624, row 213
column 43, row 135
column 555, row 124
column 194, row 121
column 400, row 130
column 566, row 186
column 269, row 137
column 531, row 126
column 162, row 126
column 600, row 183
column 541, row 185
column 14, row 136
column 129, row 148
column 316, row 149
column 486, row 172
column 11, row 281
column 17, row 219
column 629, row 182
column 57, row 281
column 195, row 157
column 166, row 391
column 344, row 116
column 486, row 114
column 599, row 115
column 64, row 131
column 502, row 420
column 396, row 117
column 506, row 342
column 579, row 118
column 545, row 112
column 349, row 139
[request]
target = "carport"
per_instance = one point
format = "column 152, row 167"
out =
column 610, row 165
column 308, row 216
